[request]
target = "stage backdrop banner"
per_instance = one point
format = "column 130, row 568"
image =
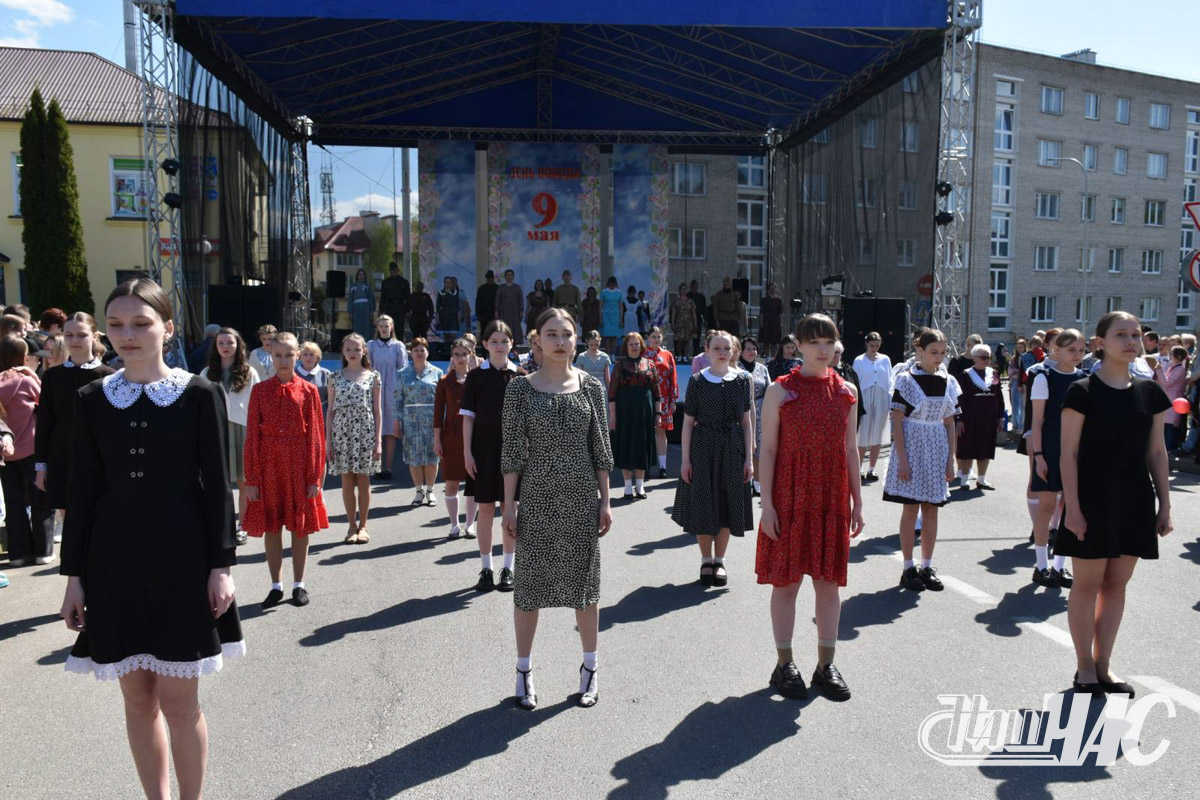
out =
column 446, row 215
column 544, row 212
column 640, row 191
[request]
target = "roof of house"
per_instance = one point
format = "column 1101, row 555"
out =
column 351, row 236
column 89, row 89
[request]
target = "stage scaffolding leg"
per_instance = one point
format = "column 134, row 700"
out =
column 159, row 67
column 955, row 136
column 297, row 303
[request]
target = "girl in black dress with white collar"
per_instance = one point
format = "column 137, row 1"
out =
column 149, row 540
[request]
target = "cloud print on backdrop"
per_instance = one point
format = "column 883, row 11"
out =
column 446, row 214
column 31, row 16
column 640, row 257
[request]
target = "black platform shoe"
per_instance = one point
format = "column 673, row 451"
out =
column 831, row 683
column 787, row 681
column 1045, row 577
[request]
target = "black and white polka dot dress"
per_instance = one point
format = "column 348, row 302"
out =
column 556, row 443
column 718, row 496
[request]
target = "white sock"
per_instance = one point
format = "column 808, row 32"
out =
column 706, row 559
column 508, row 560
column 662, row 462
column 926, row 563
column 1042, row 551
column 638, row 485
column 524, row 665
column 628, row 486
column 1060, row 563
column 277, row 585
column 486, row 560
column 909, row 563
column 472, row 507
column 586, row 679
column 452, row 509
column 297, row 585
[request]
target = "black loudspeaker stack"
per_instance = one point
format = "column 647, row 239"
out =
column 244, row 308
column 335, row 340
column 886, row 316
column 335, row 281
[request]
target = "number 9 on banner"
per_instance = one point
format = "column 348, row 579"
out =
column 545, row 205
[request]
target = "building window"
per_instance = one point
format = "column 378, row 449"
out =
column 1079, row 304
column 1087, row 259
column 1183, row 305
column 349, row 259
column 1006, row 126
column 908, row 195
column 1047, row 205
column 689, row 178
column 1152, row 261
column 865, row 192
column 1049, row 152
column 687, row 244
column 1187, row 240
column 1118, row 211
column 1042, row 308
column 1120, row 161
column 1191, row 152
column 998, row 298
column 1091, row 106
column 1160, row 116
column 1006, row 88
column 752, row 172
column 129, row 190
column 1087, row 211
column 1123, row 110
column 816, row 188
column 868, row 131
column 866, row 250
column 1045, row 258
column 1116, row 259
column 1112, row 304
column 1148, row 309
column 1193, row 116
column 1189, row 192
column 751, row 222
column 1001, row 239
column 911, row 83
column 908, row 137
column 906, row 252
column 1002, row 174
column 16, row 178
column 1091, row 154
column 1155, row 212
column 1156, row 165
column 1052, row 100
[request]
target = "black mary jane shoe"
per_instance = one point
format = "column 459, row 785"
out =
column 706, row 574
column 831, row 683
column 787, row 681
column 591, row 695
column 720, row 575
column 527, row 701
column 1116, row 687
column 505, row 584
column 274, row 598
column 1096, row 688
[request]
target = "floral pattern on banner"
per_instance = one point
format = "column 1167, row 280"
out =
column 499, row 204
column 589, row 213
column 428, row 201
column 658, row 251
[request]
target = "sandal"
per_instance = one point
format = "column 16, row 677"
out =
column 527, row 701
column 591, row 696
column 351, row 536
column 363, row 536
column 419, row 500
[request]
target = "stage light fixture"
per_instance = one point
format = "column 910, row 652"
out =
column 944, row 188
column 170, row 166
column 172, row 200
column 943, row 218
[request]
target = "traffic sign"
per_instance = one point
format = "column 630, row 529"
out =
column 1191, row 265
column 925, row 286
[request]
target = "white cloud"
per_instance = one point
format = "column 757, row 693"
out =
column 36, row 14
column 382, row 203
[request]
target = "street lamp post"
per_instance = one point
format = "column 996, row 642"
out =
column 1086, row 266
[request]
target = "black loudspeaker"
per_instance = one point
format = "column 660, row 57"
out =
column 335, row 339
column 742, row 287
column 886, row 316
column 335, row 283
column 244, row 308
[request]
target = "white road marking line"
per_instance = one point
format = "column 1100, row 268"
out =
column 1181, row 696
column 1051, row 632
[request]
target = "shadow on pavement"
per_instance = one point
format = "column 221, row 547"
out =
column 649, row 602
column 690, row 752
column 354, row 552
column 1191, row 551
column 411, row 610
column 677, row 541
column 881, row 607
column 1027, row 603
column 57, row 657
column 260, row 557
column 18, row 626
column 1008, row 560
column 477, row 736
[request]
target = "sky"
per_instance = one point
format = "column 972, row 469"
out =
column 1157, row 36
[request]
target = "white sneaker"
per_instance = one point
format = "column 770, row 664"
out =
column 45, row 559
column 430, row 498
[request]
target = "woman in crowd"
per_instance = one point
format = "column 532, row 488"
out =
column 594, row 361
column 683, row 321
column 806, row 525
column 156, row 612
column 629, row 311
column 713, row 499
column 982, row 404
column 482, row 403
column 354, row 442
column 285, row 441
column 30, row 519
column 56, row 350
column 787, row 358
column 1016, row 386
column 532, row 361
column 448, row 435
column 1171, row 374
column 1114, row 463
column 760, row 379
column 633, row 408
column 414, row 420
column 260, row 357
column 420, row 311
column 556, row 446
column 874, row 371
column 229, row 368
column 924, row 405
column 388, row 357
column 591, row 310
column 361, row 299
column 310, row 369
column 510, row 305
column 770, row 317
column 610, row 328
column 668, row 392
column 535, row 303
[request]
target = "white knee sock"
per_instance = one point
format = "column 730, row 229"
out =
column 1060, row 563
column 486, row 560
column 452, row 510
column 1041, row 551
column 589, row 662
column 472, row 507
column 628, row 486
column 508, row 560
column 662, row 462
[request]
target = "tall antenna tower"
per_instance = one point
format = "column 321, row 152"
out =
column 327, row 213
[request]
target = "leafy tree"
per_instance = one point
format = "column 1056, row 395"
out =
column 381, row 249
column 33, row 192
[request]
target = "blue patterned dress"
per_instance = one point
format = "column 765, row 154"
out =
column 414, row 409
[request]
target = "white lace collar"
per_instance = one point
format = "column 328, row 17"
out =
column 123, row 393
column 983, row 382
column 729, row 376
column 95, row 362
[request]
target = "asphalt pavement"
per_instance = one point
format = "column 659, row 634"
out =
column 396, row 680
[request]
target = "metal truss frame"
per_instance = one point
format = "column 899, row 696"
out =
column 297, row 302
column 955, row 136
column 408, row 136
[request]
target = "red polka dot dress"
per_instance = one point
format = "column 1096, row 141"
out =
column 811, row 489
column 285, row 454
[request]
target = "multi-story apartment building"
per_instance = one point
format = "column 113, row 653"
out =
column 1079, row 173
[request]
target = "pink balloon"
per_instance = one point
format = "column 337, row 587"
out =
column 1181, row 405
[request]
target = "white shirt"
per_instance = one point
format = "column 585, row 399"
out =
column 237, row 404
column 874, row 373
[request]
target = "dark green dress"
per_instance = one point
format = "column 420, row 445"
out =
column 634, row 389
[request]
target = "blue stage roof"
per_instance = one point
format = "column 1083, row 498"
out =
column 692, row 73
